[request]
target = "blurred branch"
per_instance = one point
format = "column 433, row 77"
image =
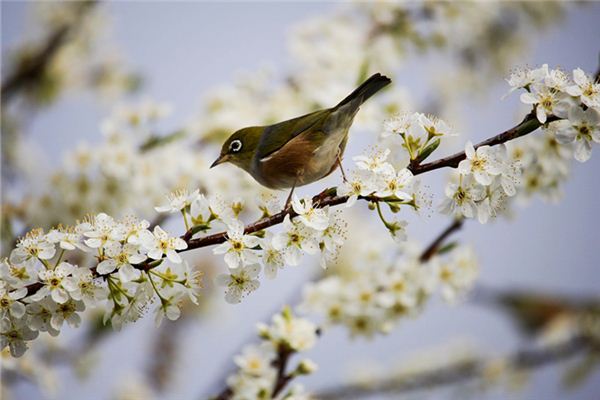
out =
column 535, row 312
column 163, row 357
column 283, row 378
column 29, row 71
column 435, row 246
column 463, row 371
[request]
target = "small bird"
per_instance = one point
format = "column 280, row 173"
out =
column 301, row 150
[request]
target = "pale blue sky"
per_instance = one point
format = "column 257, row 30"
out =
column 184, row 49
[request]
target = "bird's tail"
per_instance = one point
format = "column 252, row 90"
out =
column 367, row 89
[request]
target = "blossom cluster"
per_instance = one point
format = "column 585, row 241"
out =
column 374, row 292
column 482, row 183
column 489, row 175
column 576, row 102
column 381, row 179
column 419, row 134
column 42, row 287
column 313, row 231
column 259, row 375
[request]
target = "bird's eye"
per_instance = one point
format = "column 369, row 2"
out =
column 235, row 146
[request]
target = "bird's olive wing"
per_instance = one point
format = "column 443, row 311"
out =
column 276, row 136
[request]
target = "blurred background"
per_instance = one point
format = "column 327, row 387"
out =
column 213, row 68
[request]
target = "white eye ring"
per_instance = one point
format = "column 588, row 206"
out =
column 236, row 145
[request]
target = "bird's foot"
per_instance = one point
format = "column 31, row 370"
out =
column 339, row 163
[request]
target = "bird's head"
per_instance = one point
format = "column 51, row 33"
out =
column 240, row 147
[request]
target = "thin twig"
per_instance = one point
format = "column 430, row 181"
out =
column 283, row 378
column 460, row 372
column 433, row 248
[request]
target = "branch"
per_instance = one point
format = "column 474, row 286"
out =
column 462, row 371
column 328, row 198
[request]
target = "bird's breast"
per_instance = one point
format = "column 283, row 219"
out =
column 301, row 161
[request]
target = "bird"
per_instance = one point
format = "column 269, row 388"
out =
column 301, row 150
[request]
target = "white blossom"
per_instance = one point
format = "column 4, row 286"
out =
column 134, row 228
column 493, row 202
column 66, row 311
column 398, row 124
column 482, row 163
column 316, row 218
column 20, row 274
column 239, row 282
column 82, row 286
column 239, row 247
column 583, row 128
column 169, row 307
column 121, row 257
column 298, row 333
column 547, row 102
column 178, row 201
column 585, row 88
column 14, row 334
column 104, row 231
column 396, row 184
column 360, row 183
column 256, row 360
column 523, row 78
column 67, row 239
column 9, row 302
column 332, row 239
column 54, row 283
column 182, row 278
column 160, row 244
column 34, row 245
column 271, row 257
column 375, row 163
column 457, row 275
column 294, row 240
column 556, row 80
column 200, row 209
column 398, row 230
column 432, row 127
column 462, row 197
column 40, row 314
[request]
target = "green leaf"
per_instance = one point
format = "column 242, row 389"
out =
column 427, row 150
column 447, row 248
column 156, row 141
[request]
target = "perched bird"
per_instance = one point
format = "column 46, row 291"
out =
column 298, row 151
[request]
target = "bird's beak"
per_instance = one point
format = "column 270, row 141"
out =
column 222, row 158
